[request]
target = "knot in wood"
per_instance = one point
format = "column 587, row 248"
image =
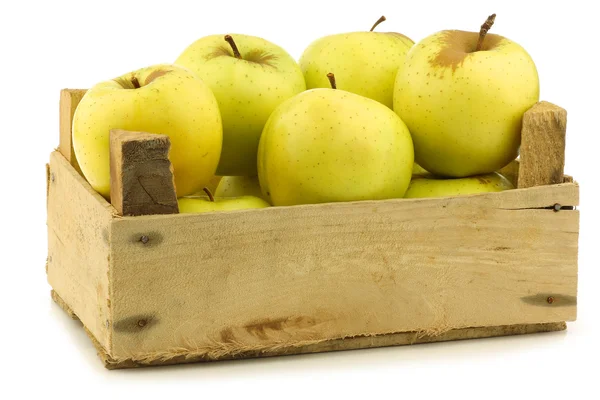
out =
column 144, row 239
column 550, row 299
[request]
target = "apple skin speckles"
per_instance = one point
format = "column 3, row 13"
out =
column 171, row 101
column 247, row 90
column 364, row 63
column 464, row 108
column 314, row 150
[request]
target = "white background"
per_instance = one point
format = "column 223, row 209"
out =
column 50, row 45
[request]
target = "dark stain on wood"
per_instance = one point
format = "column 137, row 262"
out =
column 150, row 239
column 227, row 335
column 501, row 248
column 558, row 300
column 260, row 328
column 105, row 236
column 136, row 323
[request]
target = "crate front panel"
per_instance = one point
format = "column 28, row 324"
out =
column 216, row 284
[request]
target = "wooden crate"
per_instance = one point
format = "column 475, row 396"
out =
column 162, row 289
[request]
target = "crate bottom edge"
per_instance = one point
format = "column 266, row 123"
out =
column 349, row 343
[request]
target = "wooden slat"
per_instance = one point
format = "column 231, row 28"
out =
column 543, row 145
column 141, row 175
column 69, row 99
column 361, row 342
column 215, row 284
column 78, row 246
column 350, row 343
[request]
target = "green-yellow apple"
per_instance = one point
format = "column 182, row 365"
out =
column 164, row 99
column 236, row 186
column 201, row 204
column 365, row 63
column 327, row 145
column 439, row 187
column 463, row 100
column 249, row 77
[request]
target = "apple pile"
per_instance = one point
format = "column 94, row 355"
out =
column 361, row 116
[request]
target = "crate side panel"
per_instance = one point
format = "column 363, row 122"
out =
column 78, row 246
column 221, row 283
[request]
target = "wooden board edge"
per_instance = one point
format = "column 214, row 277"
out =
column 141, row 173
column 351, row 343
column 62, row 304
column 542, row 149
column 538, row 197
column 64, row 163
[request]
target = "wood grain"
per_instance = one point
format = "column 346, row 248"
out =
column 69, row 99
column 216, row 284
column 542, row 151
column 350, row 343
column 353, row 343
column 141, row 175
column 79, row 221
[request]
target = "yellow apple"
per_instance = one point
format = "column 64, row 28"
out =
column 364, row 63
column 439, row 187
column 249, row 77
column 201, row 204
column 464, row 105
column 162, row 99
column 327, row 145
column 236, row 186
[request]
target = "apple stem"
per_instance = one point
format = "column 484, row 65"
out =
column 487, row 25
column 331, row 78
column 209, row 194
column 135, row 83
column 380, row 20
column 236, row 52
